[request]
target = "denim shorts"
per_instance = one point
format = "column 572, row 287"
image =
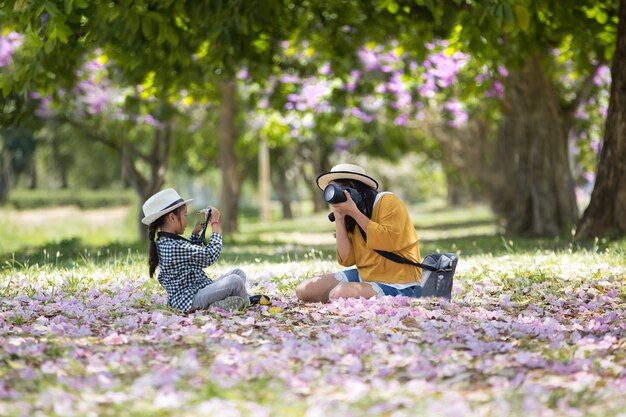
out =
column 352, row 275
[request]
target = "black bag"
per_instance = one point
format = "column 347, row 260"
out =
column 437, row 272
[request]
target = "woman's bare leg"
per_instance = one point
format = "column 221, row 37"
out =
column 352, row 290
column 316, row 289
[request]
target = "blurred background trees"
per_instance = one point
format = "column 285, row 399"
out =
column 503, row 101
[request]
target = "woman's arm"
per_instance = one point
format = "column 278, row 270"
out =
column 344, row 245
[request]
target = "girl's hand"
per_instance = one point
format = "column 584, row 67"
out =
column 200, row 218
column 215, row 214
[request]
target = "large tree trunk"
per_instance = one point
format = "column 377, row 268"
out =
column 606, row 213
column 535, row 193
column 229, row 200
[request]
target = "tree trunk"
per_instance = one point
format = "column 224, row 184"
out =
column 264, row 181
column 63, row 176
column 451, row 160
column 606, row 213
column 5, row 176
column 536, row 189
column 229, row 200
column 146, row 187
column 31, row 172
column 281, row 161
column 454, row 190
column 285, row 201
column 465, row 153
column 62, row 162
column 319, row 158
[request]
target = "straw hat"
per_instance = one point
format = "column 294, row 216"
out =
column 161, row 203
column 346, row 172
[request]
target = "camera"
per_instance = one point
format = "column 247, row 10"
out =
column 207, row 214
column 334, row 194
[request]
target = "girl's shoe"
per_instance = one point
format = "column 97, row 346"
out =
column 264, row 300
column 231, row 303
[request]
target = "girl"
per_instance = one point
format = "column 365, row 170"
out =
column 380, row 222
column 181, row 261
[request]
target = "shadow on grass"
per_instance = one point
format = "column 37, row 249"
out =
column 447, row 226
column 72, row 252
column 69, row 252
column 499, row 245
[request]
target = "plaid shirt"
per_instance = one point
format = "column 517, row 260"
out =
column 181, row 264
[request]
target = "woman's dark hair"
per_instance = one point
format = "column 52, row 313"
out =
column 367, row 205
column 153, row 260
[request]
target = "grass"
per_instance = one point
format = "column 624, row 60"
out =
column 64, row 236
column 535, row 327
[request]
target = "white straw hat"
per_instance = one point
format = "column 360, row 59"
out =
column 161, row 203
column 346, row 172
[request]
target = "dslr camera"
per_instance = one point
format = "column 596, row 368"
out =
column 333, row 194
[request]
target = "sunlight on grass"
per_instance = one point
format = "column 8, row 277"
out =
column 37, row 227
column 535, row 327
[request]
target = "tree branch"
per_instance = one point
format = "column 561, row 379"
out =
column 105, row 140
column 569, row 109
column 91, row 133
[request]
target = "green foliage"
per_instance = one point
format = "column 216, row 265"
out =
column 178, row 43
column 337, row 29
column 45, row 62
column 508, row 31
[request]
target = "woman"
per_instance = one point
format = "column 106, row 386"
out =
column 381, row 222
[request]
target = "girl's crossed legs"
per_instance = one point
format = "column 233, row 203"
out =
column 231, row 283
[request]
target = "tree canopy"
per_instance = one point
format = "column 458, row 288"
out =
column 452, row 79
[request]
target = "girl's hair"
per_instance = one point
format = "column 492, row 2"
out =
column 367, row 205
column 153, row 260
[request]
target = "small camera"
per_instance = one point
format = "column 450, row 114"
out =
column 334, row 194
column 207, row 214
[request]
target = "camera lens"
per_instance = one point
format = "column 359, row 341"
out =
column 333, row 194
column 329, row 193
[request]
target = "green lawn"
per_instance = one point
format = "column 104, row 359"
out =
column 535, row 327
column 63, row 235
